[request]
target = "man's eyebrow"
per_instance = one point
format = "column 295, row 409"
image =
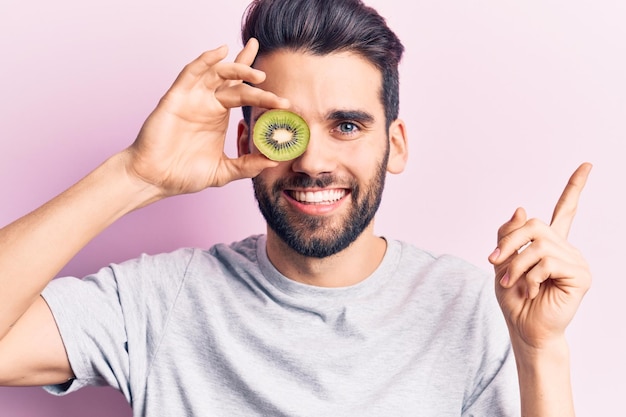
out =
column 356, row 115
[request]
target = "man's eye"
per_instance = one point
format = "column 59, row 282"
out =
column 347, row 127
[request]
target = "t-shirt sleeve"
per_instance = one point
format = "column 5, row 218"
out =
column 495, row 387
column 89, row 317
column 111, row 322
column 497, row 394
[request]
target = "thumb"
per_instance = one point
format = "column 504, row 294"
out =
column 249, row 166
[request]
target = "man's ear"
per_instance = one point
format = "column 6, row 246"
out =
column 398, row 147
column 243, row 138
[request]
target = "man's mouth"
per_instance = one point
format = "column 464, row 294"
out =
column 318, row 196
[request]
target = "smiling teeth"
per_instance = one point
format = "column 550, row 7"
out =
column 325, row 196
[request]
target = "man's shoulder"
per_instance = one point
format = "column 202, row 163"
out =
column 183, row 256
column 413, row 255
column 441, row 273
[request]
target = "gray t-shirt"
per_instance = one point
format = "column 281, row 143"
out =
column 221, row 332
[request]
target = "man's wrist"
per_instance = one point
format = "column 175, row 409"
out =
column 139, row 193
column 544, row 377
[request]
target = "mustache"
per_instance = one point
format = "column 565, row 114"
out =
column 304, row 181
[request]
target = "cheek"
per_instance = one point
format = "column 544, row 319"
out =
column 363, row 159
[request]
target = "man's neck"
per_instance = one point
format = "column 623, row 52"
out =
column 348, row 267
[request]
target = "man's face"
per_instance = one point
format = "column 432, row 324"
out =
column 322, row 201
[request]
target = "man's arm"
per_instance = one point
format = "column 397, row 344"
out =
column 35, row 248
column 540, row 281
column 180, row 149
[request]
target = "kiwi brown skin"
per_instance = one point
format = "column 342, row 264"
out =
column 281, row 135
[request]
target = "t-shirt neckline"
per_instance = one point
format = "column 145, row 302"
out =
column 372, row 283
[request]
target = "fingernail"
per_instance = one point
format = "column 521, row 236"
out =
column 504, row 281
column 495, row 254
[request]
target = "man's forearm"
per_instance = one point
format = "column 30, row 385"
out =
column 34, row 248
column 544, row 378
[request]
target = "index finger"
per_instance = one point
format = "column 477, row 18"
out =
column 567, row 205
column 248, row 54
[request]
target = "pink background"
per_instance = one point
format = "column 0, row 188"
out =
column 502, row 99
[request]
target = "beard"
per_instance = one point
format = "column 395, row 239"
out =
column 319, row 236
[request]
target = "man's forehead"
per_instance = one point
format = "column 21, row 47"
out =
column 342, row 63
column 342, row 81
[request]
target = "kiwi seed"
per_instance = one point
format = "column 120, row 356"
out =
column 281, row 135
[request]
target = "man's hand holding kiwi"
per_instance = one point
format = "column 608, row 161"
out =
column 180, row 148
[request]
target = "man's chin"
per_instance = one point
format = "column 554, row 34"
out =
column 317, row 245
column 318, row 249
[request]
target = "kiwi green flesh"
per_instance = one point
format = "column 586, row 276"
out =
column 281, row 135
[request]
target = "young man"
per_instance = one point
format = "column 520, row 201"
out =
column 319, row 316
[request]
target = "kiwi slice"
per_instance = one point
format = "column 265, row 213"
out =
column 281, row 135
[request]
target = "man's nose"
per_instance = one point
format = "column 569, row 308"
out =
column 320, row 156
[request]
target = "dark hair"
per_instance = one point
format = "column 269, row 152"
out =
column 322, row 27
